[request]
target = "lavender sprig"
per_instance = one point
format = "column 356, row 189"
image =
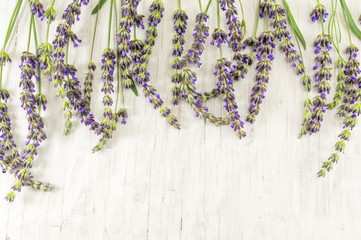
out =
column 88, row 84
column 30, row 104
column 282, row 33
column 108, row 124
column 180, row 25
column 225, row 85
column 265, row 57
column 316, row 107
column 140, row 70
column 350, row 108
column 201, row 33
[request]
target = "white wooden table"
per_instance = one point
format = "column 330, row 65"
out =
column 154, row 182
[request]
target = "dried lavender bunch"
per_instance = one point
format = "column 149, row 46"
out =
column 265, row 57
column 350, row 107
column 314, row 113
column 180, row 26
column 140, row 70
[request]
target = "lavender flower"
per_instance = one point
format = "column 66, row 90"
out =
column 219, row 37
column 340, row 84
column 319, row 12
column 265, row 57
column 266, row 8
column 236, row 28
column 37, row 8
column 191, row 96
column 129, row 18
column 70, row 88
column 30, row 103
column 244, row 61
column 350, row 108
column 45, row 52
column 282, row 33
column 88, row 84
column 180, row 25
column 225, row 85
column 140, row 72
column 108, row 124
column 201, row 32
column 322, row 78
column 4, row 58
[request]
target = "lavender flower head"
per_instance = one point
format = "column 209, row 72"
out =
column 37, row 8
column 266, row 8
column 219, row 37
column 318, row 13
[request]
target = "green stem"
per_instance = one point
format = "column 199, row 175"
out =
column 219, row 25
column 135, row 32
column 242, row 10
column 179, row 4
column 1, row 76
column 200, row 5
column 347, row 27
column 94, row 34
column 49, row 23
column 110, row 22
column 257, row 18
column 67, row 52
column 119, row 82
column 30, row 31
column 12, row 23
column 208, row 5
column 38, row 70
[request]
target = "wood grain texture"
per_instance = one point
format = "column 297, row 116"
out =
column 154, row 182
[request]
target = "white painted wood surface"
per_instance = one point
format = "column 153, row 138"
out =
column 154, row 182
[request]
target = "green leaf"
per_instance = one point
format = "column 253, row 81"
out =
column 351, row 23
column 293, row 24
column 135, row 90
column 98, row 6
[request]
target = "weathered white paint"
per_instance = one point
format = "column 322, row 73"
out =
column 154, row 182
